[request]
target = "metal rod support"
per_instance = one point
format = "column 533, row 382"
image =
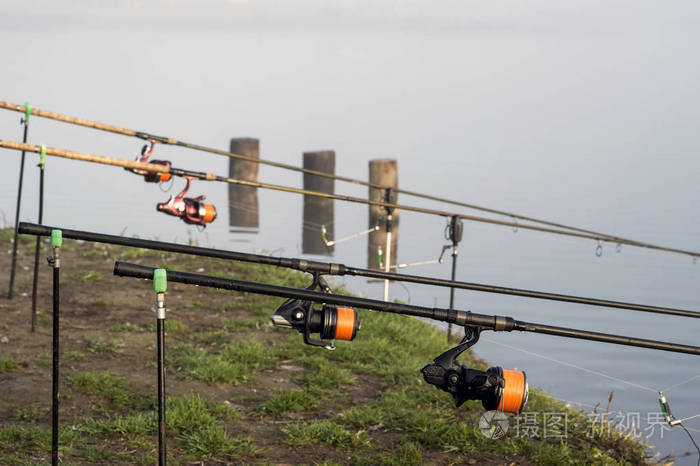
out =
column 35, row 282
column 56, row 263
column 19, row 203
column 160, row 330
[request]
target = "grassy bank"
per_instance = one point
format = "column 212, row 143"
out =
column 239, row 390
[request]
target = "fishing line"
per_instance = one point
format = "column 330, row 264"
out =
column 664, row 405
column 681, row 383
column 574, row 366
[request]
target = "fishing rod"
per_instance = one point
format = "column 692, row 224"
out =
column 164, row 169
column 328, row 268
column 153, row 139
column 497, row 388
column 190, row 210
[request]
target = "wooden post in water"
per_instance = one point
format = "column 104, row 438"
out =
column 382, row 172
column 318, row 211
column 243, row 200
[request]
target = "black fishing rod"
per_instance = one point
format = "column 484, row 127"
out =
column 496, row 388
column 200, row 213
column 326, row 268
column 457, row 317
column 24, row 121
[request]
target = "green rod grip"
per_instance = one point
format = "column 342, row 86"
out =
column 42, row 154
column 27, row 112
column 56, row 238
column 160, row 280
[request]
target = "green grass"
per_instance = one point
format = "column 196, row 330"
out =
column 30, row 414
column 43, row 319
column 235, row 363
column 21, row 439
column 172, row 326
column 197, row 426
column 103, row 456
column 217, row 337
column 129, row 425
column 73, row 355
column 8, row 364
column 328, row 432
column 96, row 253
column 100, row 304
column 247, row 324
column 405, row 453
column 126, row 327
column 99, row 346
column 293, row 400
column 110, row 387
column 175, row 326
column 135, row 253
column 326, row 376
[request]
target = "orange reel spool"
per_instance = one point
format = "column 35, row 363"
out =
column 207, row 212
column 514, row 394
column 346, row 323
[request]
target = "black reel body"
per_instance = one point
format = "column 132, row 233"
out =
column 330, row 322
column 497, row 388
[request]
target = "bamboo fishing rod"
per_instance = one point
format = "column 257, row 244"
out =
column 156, row 168
column 326, row 268
column 458, row 317
column 170, row 141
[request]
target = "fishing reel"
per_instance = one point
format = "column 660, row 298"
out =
column 191, row 210
column 497, row 388
column 151, row 177
column 330, row 322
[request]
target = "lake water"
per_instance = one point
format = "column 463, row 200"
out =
column 104, row 199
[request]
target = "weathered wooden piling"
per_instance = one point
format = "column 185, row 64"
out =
column 318, row 211
column 243, row 200
column 382, row 172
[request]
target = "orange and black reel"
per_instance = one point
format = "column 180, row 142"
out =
column 339, row 323
column 330, row 322
column 497, row 388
